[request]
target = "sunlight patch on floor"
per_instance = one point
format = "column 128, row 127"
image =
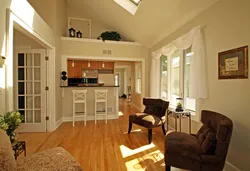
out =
column 126, row 152
column 146, row 162
column 120, row 113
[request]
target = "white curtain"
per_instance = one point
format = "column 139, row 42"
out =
column 197, row 81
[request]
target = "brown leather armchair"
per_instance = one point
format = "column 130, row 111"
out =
column 153, row 116
column 205, row 151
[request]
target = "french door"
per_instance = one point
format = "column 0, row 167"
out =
column 30, row 93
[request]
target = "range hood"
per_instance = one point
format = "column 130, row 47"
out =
column 89, row 73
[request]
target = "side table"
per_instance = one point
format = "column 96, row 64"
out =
column 19, row 148
column 179, row 115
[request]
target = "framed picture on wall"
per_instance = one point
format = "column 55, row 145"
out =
column 233, row 64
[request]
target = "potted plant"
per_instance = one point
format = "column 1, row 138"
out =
column 179, row 107
column 9, row 122
column 110, row 35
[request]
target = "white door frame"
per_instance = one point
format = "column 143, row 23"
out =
column 142, row 60
column 13, row 21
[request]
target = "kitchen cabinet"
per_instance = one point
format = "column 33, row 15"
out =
column 106, row 65
column 75, row 67
column 70, row 69
column 89, row 65
column 78, row 69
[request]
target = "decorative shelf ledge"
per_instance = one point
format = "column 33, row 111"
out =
column 100, row 41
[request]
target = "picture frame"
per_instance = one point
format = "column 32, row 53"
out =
column 233, row 64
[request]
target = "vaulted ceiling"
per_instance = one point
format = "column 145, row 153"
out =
column 154, row 20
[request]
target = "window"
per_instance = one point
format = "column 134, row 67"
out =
column 130, row 5
column 164, row 77
column 189, row 102
column 138, row 78
column 175, row 73
column 136, row 2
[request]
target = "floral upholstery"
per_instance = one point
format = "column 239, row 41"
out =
column 7, row 160
column 49, row 160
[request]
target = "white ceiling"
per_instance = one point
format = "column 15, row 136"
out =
column 154, row 20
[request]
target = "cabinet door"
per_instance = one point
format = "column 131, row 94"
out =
column 106, row 65
column 70, row 69
column 78, row 69
column 85, row 65
column 93, row 65
column 109, row 65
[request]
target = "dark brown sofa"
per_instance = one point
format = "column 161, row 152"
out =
column 205, row 151
column 153, row 116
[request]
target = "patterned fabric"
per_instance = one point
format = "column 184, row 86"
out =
column 56, row 159
column 146, row 120
column 7, row 160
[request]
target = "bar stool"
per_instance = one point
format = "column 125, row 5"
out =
column 101, row 96
column 79, row 97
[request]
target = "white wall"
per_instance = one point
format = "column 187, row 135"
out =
column 56, row 17
column 225, row 26
column 97, row 26
column 120, row 71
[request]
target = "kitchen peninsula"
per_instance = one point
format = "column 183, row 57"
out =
column 90, row 76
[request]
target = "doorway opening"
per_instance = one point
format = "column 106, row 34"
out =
column 29, row 82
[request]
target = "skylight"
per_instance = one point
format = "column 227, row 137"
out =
column 130, row 5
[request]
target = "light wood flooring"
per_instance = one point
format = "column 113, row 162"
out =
column 105, row 147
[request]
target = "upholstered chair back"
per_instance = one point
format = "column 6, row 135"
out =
column 7, row 160
column 156, row 107
column 222, row 126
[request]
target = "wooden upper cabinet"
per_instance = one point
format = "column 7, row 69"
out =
column 106, row 65
column 78, row 69
column 75, row 67
column 89, row 65
column 70, row 69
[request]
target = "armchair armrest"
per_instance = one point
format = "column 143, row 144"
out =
column 211, row 159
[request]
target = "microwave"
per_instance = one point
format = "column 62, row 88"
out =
column 89, row 74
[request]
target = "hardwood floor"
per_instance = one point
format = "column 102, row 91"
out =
column 105, row 147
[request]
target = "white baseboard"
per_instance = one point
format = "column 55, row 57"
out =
column 136, row 107
column 89, row 118
column 229, row 167
column 58, row 123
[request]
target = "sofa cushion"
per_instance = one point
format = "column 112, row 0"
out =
column 7, row 160
column 207, row 140
column 146, row 120
column 185, row 145
column 209, row 144
column 49, row 160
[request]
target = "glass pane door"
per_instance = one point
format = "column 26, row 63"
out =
column 30, row 95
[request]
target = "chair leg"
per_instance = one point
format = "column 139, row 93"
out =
column 149, row 136
column 168, row 168
column 129, row 127
column 163, row 129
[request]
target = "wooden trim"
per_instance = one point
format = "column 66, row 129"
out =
column 244, row 49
